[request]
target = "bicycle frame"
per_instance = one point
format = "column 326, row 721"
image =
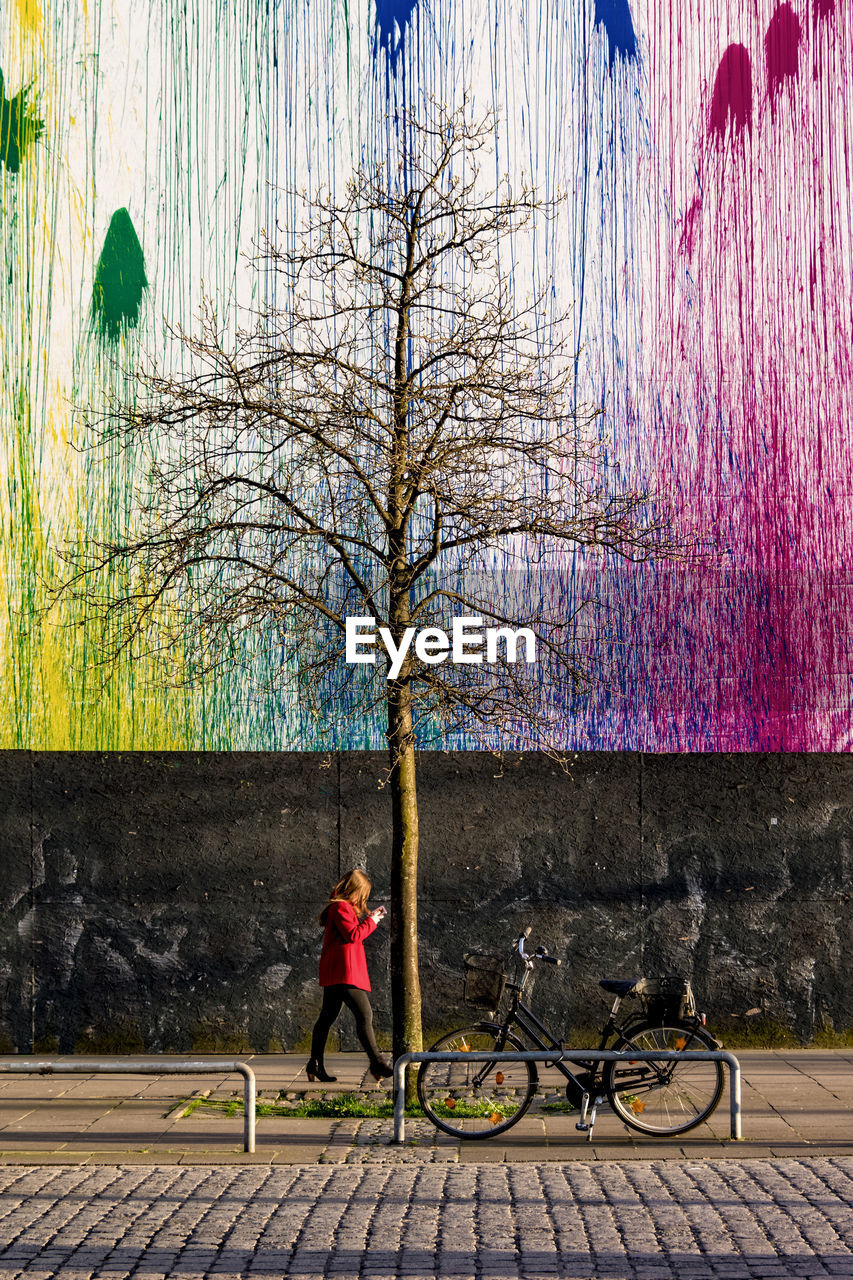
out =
column 521, row 1017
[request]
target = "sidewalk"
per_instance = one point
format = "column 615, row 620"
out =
column 796, row 1103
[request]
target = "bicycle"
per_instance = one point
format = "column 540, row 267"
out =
column 482, row 1099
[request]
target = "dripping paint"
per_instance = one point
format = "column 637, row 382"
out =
column 19, row 128
column 392, row 21
column 615, row 17
column 119, row 279
column 703, row 247
column 731, row 101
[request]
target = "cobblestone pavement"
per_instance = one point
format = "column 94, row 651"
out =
column 643, row 1220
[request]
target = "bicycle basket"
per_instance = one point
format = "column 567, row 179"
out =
column 668, row 997
column 485, row 979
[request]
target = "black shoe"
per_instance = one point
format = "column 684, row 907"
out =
column 381, row 1070
column 316, row 1071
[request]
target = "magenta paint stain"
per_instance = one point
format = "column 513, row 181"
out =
column 731, row 101
column 782, row 49
column 691, row 220
column 823, row 9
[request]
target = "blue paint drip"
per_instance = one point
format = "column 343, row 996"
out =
column 615, row 17
column 392, row 20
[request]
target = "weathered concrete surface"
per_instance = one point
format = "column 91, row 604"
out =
column 168, row 901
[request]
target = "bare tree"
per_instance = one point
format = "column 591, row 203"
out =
column 382, row 443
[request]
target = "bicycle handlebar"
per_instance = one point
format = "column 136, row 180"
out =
column 539, row 954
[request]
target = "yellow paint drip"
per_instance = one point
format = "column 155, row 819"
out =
column 29, row 14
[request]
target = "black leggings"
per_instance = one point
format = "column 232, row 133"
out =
column 333, row 1000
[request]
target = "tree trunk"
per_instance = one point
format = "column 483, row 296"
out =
column 405, row 983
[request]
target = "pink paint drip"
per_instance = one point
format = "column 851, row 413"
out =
column 691, row 226
column 782, row 49
column 732, row 98
column 753, row 371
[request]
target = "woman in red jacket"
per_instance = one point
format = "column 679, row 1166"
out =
column 343, row 972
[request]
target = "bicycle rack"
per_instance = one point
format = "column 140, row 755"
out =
column 143, row 1067
column 571, row 1055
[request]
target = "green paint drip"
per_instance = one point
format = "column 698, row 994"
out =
column 18, row 127
column 119, row 279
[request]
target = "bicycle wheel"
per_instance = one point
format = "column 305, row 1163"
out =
column 668, row 1097
column 476, row 1099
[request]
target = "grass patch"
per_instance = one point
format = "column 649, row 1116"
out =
column 344, row 1105
column 755, row 1033
column 474, row 1108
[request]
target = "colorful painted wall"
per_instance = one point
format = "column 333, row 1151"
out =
column 704, row 245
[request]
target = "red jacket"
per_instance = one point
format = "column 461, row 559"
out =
column 342, row 959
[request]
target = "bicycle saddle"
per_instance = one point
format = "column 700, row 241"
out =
column 619, row 986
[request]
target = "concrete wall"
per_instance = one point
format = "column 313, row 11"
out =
column 169, row 901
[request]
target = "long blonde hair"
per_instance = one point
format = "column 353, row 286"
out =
column 354, row 889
